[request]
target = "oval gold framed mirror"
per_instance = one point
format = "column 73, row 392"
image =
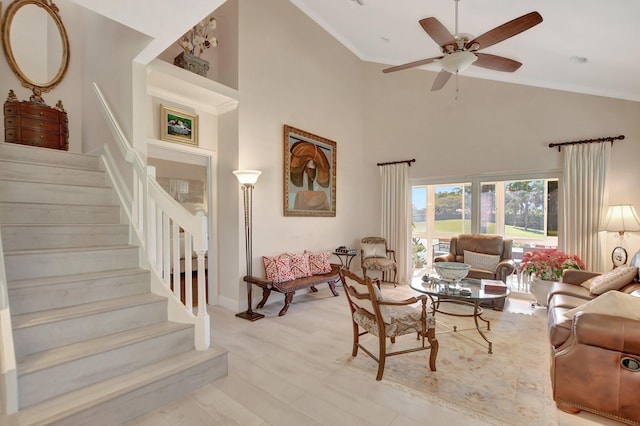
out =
column 35, row 43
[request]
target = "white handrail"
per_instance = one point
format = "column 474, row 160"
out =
column 162, row 215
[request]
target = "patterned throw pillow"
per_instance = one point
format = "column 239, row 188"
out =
column 299, row 264
column 277, row 268
column 319, row 262
column 487, row 262
column 612, row 280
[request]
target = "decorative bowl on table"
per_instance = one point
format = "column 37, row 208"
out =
column 452, row 271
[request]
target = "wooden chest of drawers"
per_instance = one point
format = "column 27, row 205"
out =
column 35, row 124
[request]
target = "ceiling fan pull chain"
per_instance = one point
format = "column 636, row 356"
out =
column 457, row 88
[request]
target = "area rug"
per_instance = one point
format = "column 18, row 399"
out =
column 511, row 386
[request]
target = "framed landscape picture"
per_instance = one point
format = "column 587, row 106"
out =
column 178, row 126
column 309, row 174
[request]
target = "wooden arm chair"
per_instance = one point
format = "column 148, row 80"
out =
column 387, row 318
column 376, row 256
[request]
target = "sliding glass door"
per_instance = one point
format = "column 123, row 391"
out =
column 524, row 210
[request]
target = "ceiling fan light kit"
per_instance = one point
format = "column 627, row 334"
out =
column 459, row 51
column 457, row 61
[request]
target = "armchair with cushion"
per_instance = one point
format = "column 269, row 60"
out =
column 386, row 318
column 376, row 256
column 489, row 256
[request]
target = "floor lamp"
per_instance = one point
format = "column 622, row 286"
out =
column 248, row 178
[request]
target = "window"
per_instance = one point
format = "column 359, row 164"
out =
column 524, row 210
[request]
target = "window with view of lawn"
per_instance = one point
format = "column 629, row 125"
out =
column 524, row 210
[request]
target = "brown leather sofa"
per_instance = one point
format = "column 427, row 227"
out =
column 595, row 358
column 485, row 244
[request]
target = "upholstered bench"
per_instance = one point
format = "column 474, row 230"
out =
column 288, row 288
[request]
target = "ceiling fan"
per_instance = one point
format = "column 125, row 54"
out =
column 461, row 50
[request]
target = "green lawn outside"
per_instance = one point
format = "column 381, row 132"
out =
column 455, row 226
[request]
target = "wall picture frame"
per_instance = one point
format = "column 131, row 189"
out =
column 309, row 174
column 178, row 126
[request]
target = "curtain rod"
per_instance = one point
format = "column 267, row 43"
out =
column 413, row 160
column 609, row 139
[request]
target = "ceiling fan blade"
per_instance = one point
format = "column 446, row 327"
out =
column 411, row 64
column 506, row 30
column 440, row 80
column 438, row 32
column 497, row 63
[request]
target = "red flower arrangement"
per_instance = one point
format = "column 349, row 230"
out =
column 548, row 264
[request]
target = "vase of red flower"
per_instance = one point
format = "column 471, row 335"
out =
column 545, row 267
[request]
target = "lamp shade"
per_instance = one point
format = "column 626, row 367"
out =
column 458, row 61
column 247, row 176
column 622, row 218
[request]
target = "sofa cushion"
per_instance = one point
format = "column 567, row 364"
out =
column 319, row 262
column 299, row 263
column 277, row 268
column 570, row 290
column 566, row 301
column 487, row 262
column 611, row 280
column 490, row 244
column 374, row 251
column 610, row 303
column 559, row 326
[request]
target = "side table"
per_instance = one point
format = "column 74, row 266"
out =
column 345, row 258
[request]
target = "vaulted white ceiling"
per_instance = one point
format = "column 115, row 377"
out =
column 606, row 33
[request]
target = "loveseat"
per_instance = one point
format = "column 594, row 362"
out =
column 489, row 256
column 595, row 344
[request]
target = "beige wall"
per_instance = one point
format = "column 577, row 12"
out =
column 292, row 72
column 492, row 128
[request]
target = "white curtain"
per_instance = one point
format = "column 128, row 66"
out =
column 396, row 215
column 583, row 193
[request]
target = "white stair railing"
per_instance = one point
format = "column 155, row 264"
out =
column 158, row 221
column 178, row 234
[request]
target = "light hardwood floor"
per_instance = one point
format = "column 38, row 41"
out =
column 283, row 371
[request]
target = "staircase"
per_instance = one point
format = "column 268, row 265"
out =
column 93, row 345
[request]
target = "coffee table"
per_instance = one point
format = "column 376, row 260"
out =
column 442, row 292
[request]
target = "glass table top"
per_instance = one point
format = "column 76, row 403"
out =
column 466, row 289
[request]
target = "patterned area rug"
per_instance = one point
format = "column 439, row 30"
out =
column 511, row 386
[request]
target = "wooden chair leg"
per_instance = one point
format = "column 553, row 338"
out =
column 382, row 355
column 356, row 339
column 433, row 352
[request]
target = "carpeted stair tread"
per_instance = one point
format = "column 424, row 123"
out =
column 64, row 354
column 58, row 408
column 54, row 165
column 63, row 279
column 65, row 225
column 54, row 315
column 69, row 250
column 54, row 184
